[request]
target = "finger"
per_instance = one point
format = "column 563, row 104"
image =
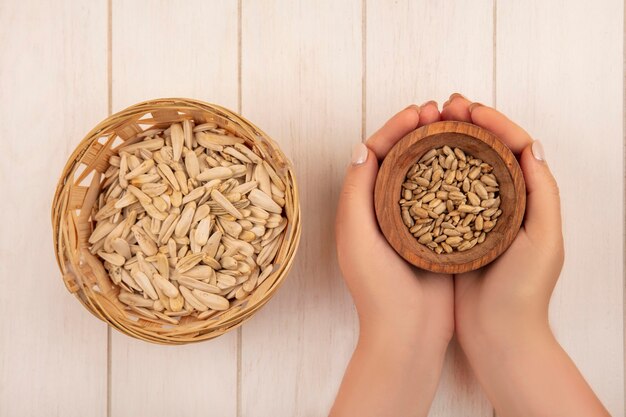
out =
column 429, row 113
column 510, row 133
column 542, row 221
column 395, row 129
column 355, row 211
column 456, row 108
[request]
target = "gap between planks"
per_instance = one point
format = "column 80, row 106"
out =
column 239, row 110
column 624, row 187
column 109, row 112
column 363, row 69
column 494, row 83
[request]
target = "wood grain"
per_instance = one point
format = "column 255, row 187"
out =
column 174, row 49
column 52, row 91
column 418, row 51
column 565, row 85
column 474, row 141
column 306, row 81
column 301, row 83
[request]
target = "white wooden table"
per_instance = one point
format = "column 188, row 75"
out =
column 317, row 76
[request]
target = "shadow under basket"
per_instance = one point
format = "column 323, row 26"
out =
column 77, row 193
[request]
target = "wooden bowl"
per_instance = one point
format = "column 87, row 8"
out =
column 473, row 140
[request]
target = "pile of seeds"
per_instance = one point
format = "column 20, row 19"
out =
column 188, row 219
column 450, row 200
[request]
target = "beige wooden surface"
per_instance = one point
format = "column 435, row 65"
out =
column 317, row 76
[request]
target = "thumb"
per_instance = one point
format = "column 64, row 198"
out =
column 356, row 219
column 542, row 221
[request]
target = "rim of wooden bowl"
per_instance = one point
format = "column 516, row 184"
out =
column 476, row 141
column 78, row 189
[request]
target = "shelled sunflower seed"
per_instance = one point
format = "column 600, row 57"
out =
column 450, row 200
column 189, row 219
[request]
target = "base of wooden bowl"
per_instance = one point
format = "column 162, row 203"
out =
column 477, row 142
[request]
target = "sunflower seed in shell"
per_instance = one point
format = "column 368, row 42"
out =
column 189, row 261
column 192, row 300
column 225, row 204
column 202, row 231
column 144, row 282
column 146, row 244
column 165, row 285
column 140, row 195
column 194, row 194
column 263, row 179
column 213, row 301
column 134, row 299
column 101, row 231
column 107, row 210
column 122, row 247
column 183, row 225
column 178, row 140
column 193, row 283
column 112, row 258
column 153, row 189
column 191, row 164
column 168, row 175
column 142, row 168
column 264, row 201
column 177, row 303
column 181, row 178
column 208, row 138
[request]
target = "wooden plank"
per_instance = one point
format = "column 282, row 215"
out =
column 301, row 82
column 423, row 50
column 174, row 49
column 562, row 79
column 190, row 380
column 52, row 91
column 418, row 51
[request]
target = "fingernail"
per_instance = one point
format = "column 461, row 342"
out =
column 537, row 150
column 428, row 103
column 474, row 106
column 414, row 107
column 359, row 154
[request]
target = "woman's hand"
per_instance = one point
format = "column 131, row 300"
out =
column 501, row 310
column 390, row 295
column 406, row 315
column 510, row 296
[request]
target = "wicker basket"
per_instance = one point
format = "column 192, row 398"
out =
column 78, row 189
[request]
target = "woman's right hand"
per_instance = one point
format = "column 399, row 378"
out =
column 510, row 296
column 501, row 310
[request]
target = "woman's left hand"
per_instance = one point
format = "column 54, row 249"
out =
column 406, row 315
